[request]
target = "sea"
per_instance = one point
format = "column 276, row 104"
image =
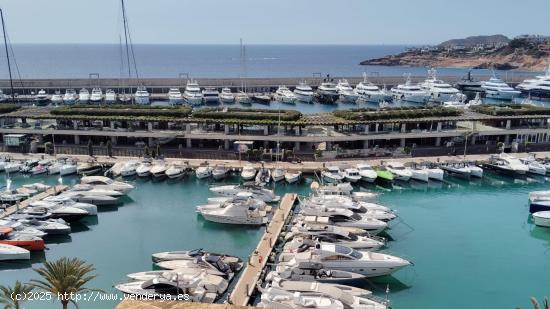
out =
column 209, row 61
column 472, row 243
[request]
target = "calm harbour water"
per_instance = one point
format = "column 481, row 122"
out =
column 471, row 243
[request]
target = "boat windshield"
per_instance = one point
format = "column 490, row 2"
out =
column 348, row 251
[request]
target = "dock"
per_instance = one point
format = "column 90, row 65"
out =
column 240, row 296
column 40, row 196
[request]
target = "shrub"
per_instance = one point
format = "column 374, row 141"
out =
column 123, row 110
column 246, row 114
column 8, row 108
column 511, row 110
column 396, row 113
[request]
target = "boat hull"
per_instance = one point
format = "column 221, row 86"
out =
column 541, row 219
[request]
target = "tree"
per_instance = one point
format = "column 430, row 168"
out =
column 109, row 148
column 63, row 277
column 8, row 294
column 90, row 148
column 146, row 151
column 48, row 148
column 158, row 150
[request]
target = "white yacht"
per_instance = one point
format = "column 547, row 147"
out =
column 410, row 92
column 399, row 171
column 192, row 94
column 292, row 176
column 219, row 172
column 439, row 90
column 11, row 253
column 279, row 298
column 369, row 92
column 284, row 95
column 57, row 98
column 175, row 172
column 68, row 168
column 327, row 92
column 70, row 96
column 340, row 213
column 333, row 234
column 242, row 97
column 106, row 183
column 174, row 96
column 332, row 174
column 226, row 96
column 210, row 95
column 144, row 169
column 83, row 96
column 129, row 168
column 346, row 92
column 110, row 96
column 535, row 167
column 97, row 95
column 203, row 171
column 539, row 87
column 278, row 174
column 248, row 172
column 497, row 89
column 370, row 225
column 256, row 192
column 366, row 172
column 303, row 92
column 158, row 169
column 352, row 175
column 507, row 164
column 41, row 97
column 142, row 96
column 238, row 212
column 420, row 174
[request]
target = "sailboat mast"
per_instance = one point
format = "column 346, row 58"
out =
column 7, row 55
column 125, row 24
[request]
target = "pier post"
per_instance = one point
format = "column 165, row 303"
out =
column 226, row 144
column 507, row 139
column 77, row 140
column 226, row 129
column 367, row 128
column 188, row 128
column 266, row 130
column 439, row 127
column 296, row 146
column 438, row 141
column 150, row 126
column 366, row 144
column 402, row 142
column 403, row 127
column 188, row 143
column 376, row 128
column 508, row 124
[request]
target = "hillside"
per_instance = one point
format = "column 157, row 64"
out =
column 477, row 40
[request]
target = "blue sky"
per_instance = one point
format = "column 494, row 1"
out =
column 272, row 21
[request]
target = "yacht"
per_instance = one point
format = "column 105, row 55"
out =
column 106, row 183
column 534, row 166
column 110, row 96
column 420, row 174
column 219, row 172
column 83, row 96
column 263, row 176
column 142, row 96
column 210, row 95
column 458, row 169
column 341, row 213
column 57, row 98
column 129, row 168
column 225, row 266
column 439, row 90
column 337, row 257
column 346, row 92
column 366, row 172
column 332, row 174
column 144, row 169
column 70, row 96
column 25, row 241
column 54, row 201
column 497, row 89
column 41, row 97
column 370, row 225
column 332, row 234
column 11, row 253
column 310, row 272
column 3, row 97
column 192, row 94
column 158, row 170
column 539, row 87
column 399, row 171
column 284, row 95
column 203, row 171
column 243, row 98
column 256, row 192
column 248, row 172
column 409, row 92
column 68, row 168
column 327, row 92
column 240, row 213
column 49, row 226
column 226, row 96
column 352, row 175
column 507, row 164
column 292, row 176
column 12, row 167
column 279, row 298
column 369, row 92
column 278, row 174
column 174, row 96
column 303, row 92
column 175, row 172
column 125, row 98
column 97, row 95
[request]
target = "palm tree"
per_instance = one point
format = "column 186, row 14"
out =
column 65, row 278
column 8, row 295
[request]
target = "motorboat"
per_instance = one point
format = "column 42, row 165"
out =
column 142, row 96
column 83, row 96
column 399, row 171
column 219, row 172
column 420, row 174
column 346, row 92
column 293, row 176
column 369, row 92
column 310, row 271
column 507, row 164
column 538, row 201
column 455, row 102
column 41, row 97
column 12, row 167
column 68, row 168
column 129, row 168
column 410, row 92
column 497, row 89
column 256, row 191
column 67, row 213
column 343, row 188
column 371, row 225
column 152, row 274
column 174, row 172
column 53, row 201
column 203, row 171
column 158, row 169
column 124, row 98
column 327, row 92
column 192, row 94
column 338, row 257
column 25, row 241
column 458, row 169
column 99, row 200
column 12, row 253
column 89, row 168
column 240, row 213
column 439, row 90
column 110, row 96
column 434, row 172
column 248, row 172
column 352, row 175
column 539, row 87
column 224, row 265
column 210, row 95
column 97, row 95
column 303, row 92
column 534, row 166
column 180, row 255
column 174, row 96
column 278, row 174
column 242, row 97
column 341, row 201
column 106, row 183
column 226, row 96
column 366, row 172
column 343, row 214
column 70, row 96
column 19, row 228
column 542, row 218
column 93, row 190
column 144, row 169
column 475, row 171
column 263, row 176
column 332, row 234
column 332, row 174
column 39, row 169
column 55, row 168
column 284, row 95
column 50, row 226
column 57, row 98
column 278, row 298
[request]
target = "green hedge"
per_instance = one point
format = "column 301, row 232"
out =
column 246, row 114
column 123, row 110
column 511, row 110
column 365, row 114
column 8, row 108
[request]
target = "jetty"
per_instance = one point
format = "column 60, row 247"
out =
column 248, row 280
column 40, row 196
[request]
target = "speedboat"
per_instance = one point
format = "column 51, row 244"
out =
column 534, row 166
column 242, row 97
column 110, row 96
column 343, row 214
column 70, row 96
column 219, row 172
column 434, row 172
column 497, row 89
column 99, row 200
column 370, row 225
column 352, row 175
column 256, row 191
column 19, row 228
column 144, row 169
column 83, row 96
column 158, row 170
column 57, row 98
column 203, row 171
column 539, row 87
column 53, row 201
column 263, row 176
column 88, row 168
column 41, row 97
column 278, row 174
column 179, row 255
column 310, row 271
column 420, row 174
column 458, row 169
column 11, row 253
column 63, row 169
column 332, row 234
column 224, row 265
column 346, row 92
column 67, row 213
column 39, row 169
column 410, row 92
column 93, row 190
column 369, row 92
column 50, row 226
column 439, row 90
column 226, row 96
column 210, row 95
column 284, row 95
column 174, row 172
column 278, row 298
column 142, row 96
column 507, row 164
column 106, row 183
column 292, row 176
column 303, row 92
column 25, row 241
column 327, row 92
column 174, row 96
column 12, row 167
column 332, row 174
column 475, row 171
column 240, row 213
column 129, row 168
column 366, row 172
column 399, row 171
column 248, row 172
column 542, row 218
column 97, row 95
column 192, row 94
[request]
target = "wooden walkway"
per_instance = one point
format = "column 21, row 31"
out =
column 246, row 285
column 40, row 196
